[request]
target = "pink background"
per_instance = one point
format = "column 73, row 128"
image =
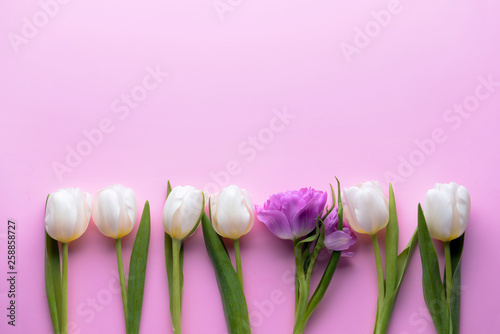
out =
column 364, row 114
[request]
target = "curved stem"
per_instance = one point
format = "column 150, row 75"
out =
column 122, row 276
column 64, row 307
column 380, row 276
column 449, row 277
column 237, row 255
column 176, row 286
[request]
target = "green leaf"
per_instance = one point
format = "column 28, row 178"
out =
column 391, row 246
column 341, row 208
column 169, row 188
column 456, row 250
column 403, row 260
column 333, row 204
column 431, row 279
column 323, row 284
column 53, row 285
column 137, row 272
column 231, row 291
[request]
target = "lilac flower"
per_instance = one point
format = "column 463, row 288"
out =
column 335, row 239
column 292, row 214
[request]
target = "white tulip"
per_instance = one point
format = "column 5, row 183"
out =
column 446, row 211
column 182, row 211
column 67, row 214
column 114, row 211
column 366, row 208
column 232, row 212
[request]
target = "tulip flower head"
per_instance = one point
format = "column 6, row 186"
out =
column 114, row 211
column 366, row 207
column 446, row 211
column 232, row 212
column 292, row 214
column 67, row 214
column 182, row 211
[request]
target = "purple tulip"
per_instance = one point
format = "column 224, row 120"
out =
column 335, row 239
column 292, row 214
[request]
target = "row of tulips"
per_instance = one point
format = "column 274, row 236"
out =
column 302, row 216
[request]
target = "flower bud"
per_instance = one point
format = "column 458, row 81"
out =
column 446, row 211
column 232, row 212
column 366, row 208
column 114, row 211
column 182, row 211
column 67, row 214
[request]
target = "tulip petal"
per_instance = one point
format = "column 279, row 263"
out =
column 172, row 204
column 190, row 211
column 305, row 219
column 232, row 221
column 339, row 241
column 438, row 214
column 83, row 202
column 109, row 208
column 370, row 209
column 276, row 222
column 347, row 198
column 463, row 205
column 250, row 209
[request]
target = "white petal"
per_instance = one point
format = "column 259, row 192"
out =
column 82, row 201
column 347, row 200
column 438, row 214
column 172, row 204
column 109, row 213
column 463, row 206
column 371, row 209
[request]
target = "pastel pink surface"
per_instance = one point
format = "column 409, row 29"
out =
column 378, row 113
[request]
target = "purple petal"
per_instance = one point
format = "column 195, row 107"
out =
column 331, row 222
column 339, row 240
column 305, row 219
column 276, row 222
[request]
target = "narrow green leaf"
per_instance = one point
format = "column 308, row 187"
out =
column 323, row 284
column 431, row 281
column 169, row 188
column 330, row 209
column 168, row 265
column 391, row 246
column 341, row 208
column 403, row 260
column 231, row 291
column 456, row 249
column 53, row 280
column 137, row 272
column 404, row 257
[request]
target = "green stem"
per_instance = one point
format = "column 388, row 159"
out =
column 176, row 286
column 297, row 264
column 237, row 255
column 64, row 307
column 449, row 277
column 303, row 294
column 380, row 276
column 122, row 276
